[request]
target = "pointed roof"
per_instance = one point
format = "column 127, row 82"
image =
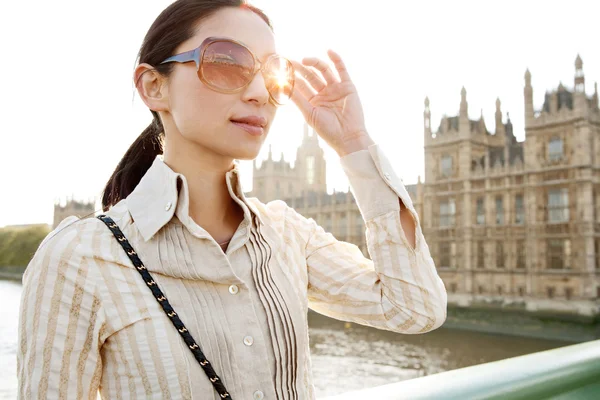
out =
column 578, row 62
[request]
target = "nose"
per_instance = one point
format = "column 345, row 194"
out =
column 256, row 91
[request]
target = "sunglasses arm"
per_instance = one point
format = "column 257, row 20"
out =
column 192, row 55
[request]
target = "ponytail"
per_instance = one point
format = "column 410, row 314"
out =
column 134, row 164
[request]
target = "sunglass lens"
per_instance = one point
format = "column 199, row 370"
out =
column 227, row 65
column 279, row 78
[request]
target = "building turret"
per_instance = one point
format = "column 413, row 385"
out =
column 427, row 121
column 579, row 76
column 528, row 94
column 579, row 81
column 498, row 118
column 463, row 117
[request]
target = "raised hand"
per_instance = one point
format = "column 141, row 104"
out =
column 330, row 103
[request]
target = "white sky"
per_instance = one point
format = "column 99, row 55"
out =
column 69, row 111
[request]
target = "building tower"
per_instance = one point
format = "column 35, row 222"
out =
column 279, row 180
column 310, row 163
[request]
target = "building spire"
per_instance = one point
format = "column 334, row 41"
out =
column 578, row 62
column 464, row 107
column 579, row 76
column 463, row 118
column 528, row 95
column 498, row 117
column 427, row 120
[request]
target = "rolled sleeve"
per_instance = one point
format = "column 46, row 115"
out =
column 398, row 288
column 374, row 184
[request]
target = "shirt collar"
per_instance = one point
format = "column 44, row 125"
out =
column 163, row 193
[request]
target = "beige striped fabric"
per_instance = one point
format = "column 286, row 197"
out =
column 89, row 324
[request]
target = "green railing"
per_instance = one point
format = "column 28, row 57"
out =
column 570, row 372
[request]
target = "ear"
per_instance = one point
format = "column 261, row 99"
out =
column 152, row 87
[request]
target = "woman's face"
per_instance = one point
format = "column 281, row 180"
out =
column 202, row 116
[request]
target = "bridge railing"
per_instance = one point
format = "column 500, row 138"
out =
column 570, row 372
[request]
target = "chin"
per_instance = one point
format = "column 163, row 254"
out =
column 246, row 156
column 244, row 151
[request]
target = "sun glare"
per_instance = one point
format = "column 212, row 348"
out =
column 281, row 74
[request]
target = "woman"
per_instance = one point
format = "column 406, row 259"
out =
column 239, row 274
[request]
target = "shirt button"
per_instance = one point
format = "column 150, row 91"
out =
column 168, row 206
column 233, row 289
column 258, row 395
column 248, row 340
column 387, row 176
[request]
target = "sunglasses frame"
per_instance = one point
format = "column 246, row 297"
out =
column 197, row 54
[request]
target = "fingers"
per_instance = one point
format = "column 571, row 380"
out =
column 301, row 85
column 322, row 67
column 339, row 65
column 310, row 76
column 310, row 65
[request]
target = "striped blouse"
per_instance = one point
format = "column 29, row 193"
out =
column 89, row 324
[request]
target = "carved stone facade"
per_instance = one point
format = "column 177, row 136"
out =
column 517, row 223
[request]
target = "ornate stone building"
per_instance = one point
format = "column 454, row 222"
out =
column 509, row 223
column 72, row 207
column 517, row 223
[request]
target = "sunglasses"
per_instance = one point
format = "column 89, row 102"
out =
column 228, row 66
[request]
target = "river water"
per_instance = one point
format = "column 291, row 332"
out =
column 345, row 357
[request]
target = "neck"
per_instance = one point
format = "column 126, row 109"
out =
column 210, row 204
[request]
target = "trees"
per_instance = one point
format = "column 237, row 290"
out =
column 18, row 245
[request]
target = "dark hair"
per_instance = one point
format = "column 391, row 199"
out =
column 176, row 24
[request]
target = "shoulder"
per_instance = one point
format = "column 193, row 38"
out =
column 75, row 242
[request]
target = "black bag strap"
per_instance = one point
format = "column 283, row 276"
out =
column 162, row 300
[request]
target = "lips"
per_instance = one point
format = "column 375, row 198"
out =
column 251, row 120
column 252, row 124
